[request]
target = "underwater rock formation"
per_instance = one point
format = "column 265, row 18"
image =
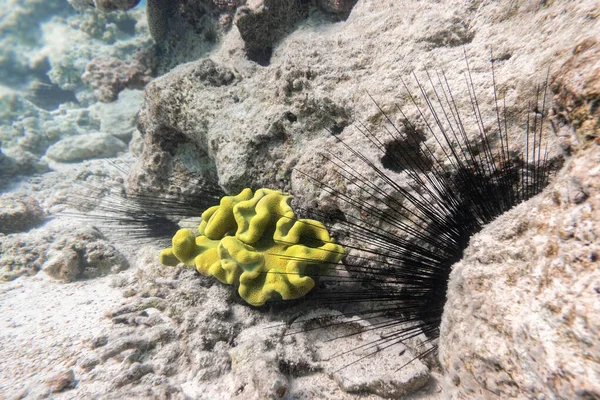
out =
column 85, row 147
column 577, row 89
column 108, row 76
column 263, row 23
column 19, row 213
column 522, row 315
column 82, row 254
column 523, row 303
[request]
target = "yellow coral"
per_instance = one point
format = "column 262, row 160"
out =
column 255, row 241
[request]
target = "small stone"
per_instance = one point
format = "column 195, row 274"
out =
column 85, row 147
column 62, row 265
column 82, row 254
column 108, row 76
column 337, row 6
column 61, row 381
column 99, row 341
column 88, row 362
column 19, row 213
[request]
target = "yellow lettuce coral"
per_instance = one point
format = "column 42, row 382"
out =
column 256, row 242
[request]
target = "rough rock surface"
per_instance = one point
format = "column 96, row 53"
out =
column 187, row 30
column 254, row 125
column 82, row 254
column 577, row 88
column 108, row 76
column 522, row 319
column 23, row 254
column 375, row 373
column 165, row 340
column 263, row 23
column 65, row 254
column 19, row 213
column 310, row 86
column 85, row 147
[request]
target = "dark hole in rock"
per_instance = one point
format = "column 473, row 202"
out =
column 290, row 116
column 261, row 56
column 403, row 154
column 336, row 128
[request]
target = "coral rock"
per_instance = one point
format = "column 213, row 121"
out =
column 263, row 23
column 85, row 147
column 522, row 319
column 108, row 76
column 83, row 253
column 577, row 88
column 61, row 381
column 19, row 213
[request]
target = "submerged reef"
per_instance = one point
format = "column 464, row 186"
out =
column 255, row 240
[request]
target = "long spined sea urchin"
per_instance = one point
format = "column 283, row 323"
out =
column 403, row 237
column 459, row 172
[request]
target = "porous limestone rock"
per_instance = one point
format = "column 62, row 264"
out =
column 107, row 76
column 577, row 88
column 364, row 370
column 19, row 213
column 85, row 147
column 23, row 254
column 185, row 334
column 522, row 319
column 83, row 253
column 318, row 79
column 263, row 23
